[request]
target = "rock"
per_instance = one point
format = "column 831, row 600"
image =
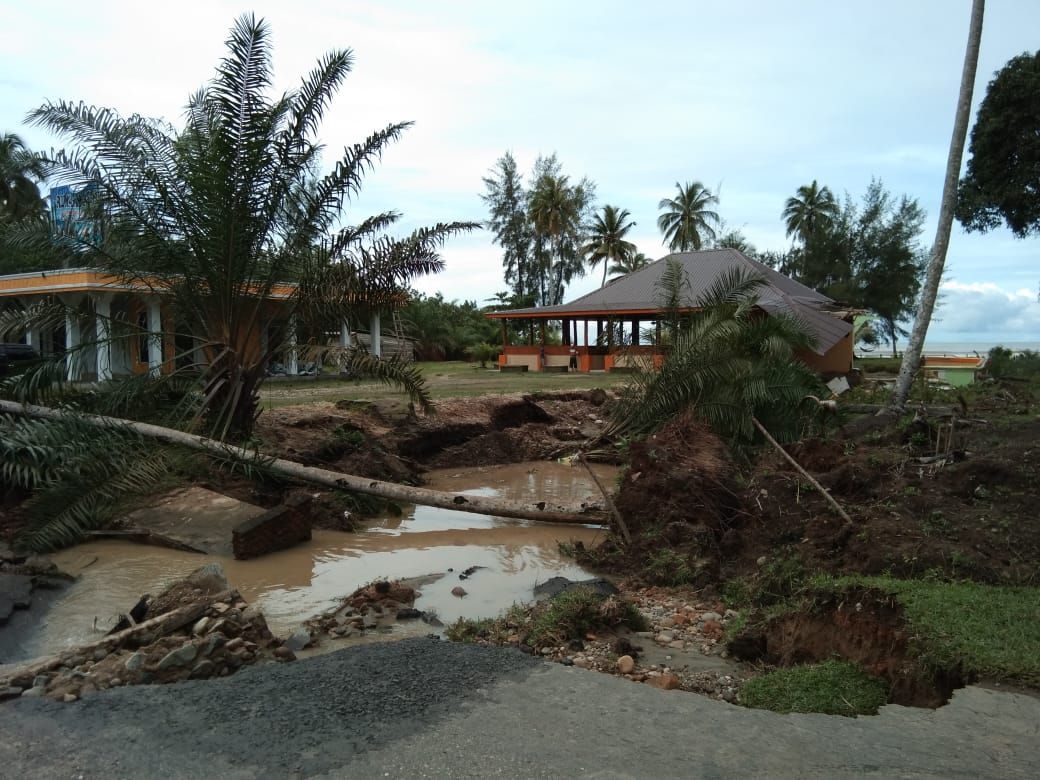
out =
column 299, row 640
column 284, row 654
column 182, row 656
column 34, row 693
column 706, row 616
column 100, row 654
column 200, row 627
column 645, row 634
column 554, row 586
column 40, row 681
column 666, row 682
column 458, row 591
column 10, row 692
column 369, row 621
column 213, row 641
column 409, row 613
column 625, row 664
column 667, row 622
column 236, row 643
column 546, row 651
column 678, row 644
column 712, row 629
column 582, row 663
column 567, row 661
column 15, row 593
column 203, row 669
column 68, row 698
column 664, row 637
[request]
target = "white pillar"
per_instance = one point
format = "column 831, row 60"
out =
column 292, row 367
column 155, row 336
column 344, row 334
column 377, row 336
column 102, row 327
column 73, row 339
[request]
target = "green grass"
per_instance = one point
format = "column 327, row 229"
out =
column 831, row 688
column 989, row 631
column 445, row 379
column 878, row 365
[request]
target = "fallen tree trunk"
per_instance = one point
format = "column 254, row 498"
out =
column 482, row 505
column 160, row 625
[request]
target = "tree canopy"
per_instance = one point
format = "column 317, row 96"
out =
column 606, row 242
column 1002, row 182
column 687, row 221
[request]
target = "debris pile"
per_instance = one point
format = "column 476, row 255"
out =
column 199, row 627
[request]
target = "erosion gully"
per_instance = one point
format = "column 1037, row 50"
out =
column 295, row 584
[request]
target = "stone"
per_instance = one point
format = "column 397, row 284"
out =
column 712, row 629
column 706, row 616
column 645, row 634
column 200, row 627
column 667, row 622
column 546, row 651
column 203, row 669
column 731, row 614
column 554, row 586
column 182, row 656
column 68, row 698
column 100, row 654
column 582, row 663
column 409, row 613
column 284, row 654
column 40, row 681
column 664, row 637
column 299, row 640
column 666, row 682
column 678, row 644
column 33, row 693
column 234, row 644
column 369, row 621
column 625, row 664
column 10, row 692
column 567, row 661
column 458, row 591
column 15, row 593
column 213, row 641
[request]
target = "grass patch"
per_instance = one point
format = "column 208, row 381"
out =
column 831, row 688
column 667, row 567
column 988, row 631
column 570, row 615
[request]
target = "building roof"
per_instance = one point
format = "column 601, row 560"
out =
column 638, row 293
column 88, row 280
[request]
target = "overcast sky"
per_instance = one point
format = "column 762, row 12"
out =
column 756, row 98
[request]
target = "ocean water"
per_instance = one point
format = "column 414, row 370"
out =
column 952, row 347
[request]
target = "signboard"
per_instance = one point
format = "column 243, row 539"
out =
column 70, row 209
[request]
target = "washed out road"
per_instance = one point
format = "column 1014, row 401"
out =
column 423, row 708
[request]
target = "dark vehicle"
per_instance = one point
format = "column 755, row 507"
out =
column 11, row 355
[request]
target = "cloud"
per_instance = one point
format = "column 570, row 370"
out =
column 988, row 308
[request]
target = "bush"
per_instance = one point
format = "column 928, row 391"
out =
column 831, row 688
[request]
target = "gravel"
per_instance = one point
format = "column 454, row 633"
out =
column 282, row 720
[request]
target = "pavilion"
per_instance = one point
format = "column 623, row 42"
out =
column 97, row 303
column 626, row 316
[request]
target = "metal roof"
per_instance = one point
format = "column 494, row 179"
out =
column 638, row 293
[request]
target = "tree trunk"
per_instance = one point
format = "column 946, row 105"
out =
column 912, row 354
column 481, row 505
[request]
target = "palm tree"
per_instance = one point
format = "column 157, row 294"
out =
column 218, row 214
column 556, row 208
column 933, row 275
column 813, row 208
column 630, row 264
column 606, row 239
column 20, row 169
column 687, row 222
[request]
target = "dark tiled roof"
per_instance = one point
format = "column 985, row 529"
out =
column 638, row 292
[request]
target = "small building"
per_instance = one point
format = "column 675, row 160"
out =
column 626, row 317
column 99, row 305
column 954, row 370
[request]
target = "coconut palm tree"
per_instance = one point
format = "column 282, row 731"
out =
column 812, row 208
column 687, row 222
column 215, row 215
column 630, row 264
column 20, row 169
column 937, row 261
column 606, row 238
column 557, row 209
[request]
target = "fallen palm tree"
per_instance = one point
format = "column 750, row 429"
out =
column 541, row 511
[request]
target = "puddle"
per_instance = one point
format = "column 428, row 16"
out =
column 295, row 584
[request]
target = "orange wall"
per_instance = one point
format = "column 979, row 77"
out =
column 837, row 360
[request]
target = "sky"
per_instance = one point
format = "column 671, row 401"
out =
column 752, row 98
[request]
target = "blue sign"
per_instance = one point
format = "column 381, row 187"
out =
column 70, row 210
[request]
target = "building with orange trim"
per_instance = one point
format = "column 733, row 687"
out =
column 618, row 326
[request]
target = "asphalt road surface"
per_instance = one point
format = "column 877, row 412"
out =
column 423, row 708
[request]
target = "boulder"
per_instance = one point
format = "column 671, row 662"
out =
column 182, row 656
column 299, row 640
column 15, row 593
column 556, row 585
column 625, row 664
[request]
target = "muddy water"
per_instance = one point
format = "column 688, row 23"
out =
column 295, row 584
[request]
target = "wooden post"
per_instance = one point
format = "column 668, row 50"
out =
column 610, row 335
column 565, row 332
column 586, row 334
column 505, row 334
column 543, row 332
column 635, row 333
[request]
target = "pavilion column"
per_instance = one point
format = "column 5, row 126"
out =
column 102, row 335
column 635, row 333
column 543, row 333
column 155, row 336
column 377, row 335
column 610, row 335
column 586, row 334
column 505, row 333
column 574, row 335
column 344, row 334
column 292, row 367
column 73, row 338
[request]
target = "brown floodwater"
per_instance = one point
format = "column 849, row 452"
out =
column 294, row 584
